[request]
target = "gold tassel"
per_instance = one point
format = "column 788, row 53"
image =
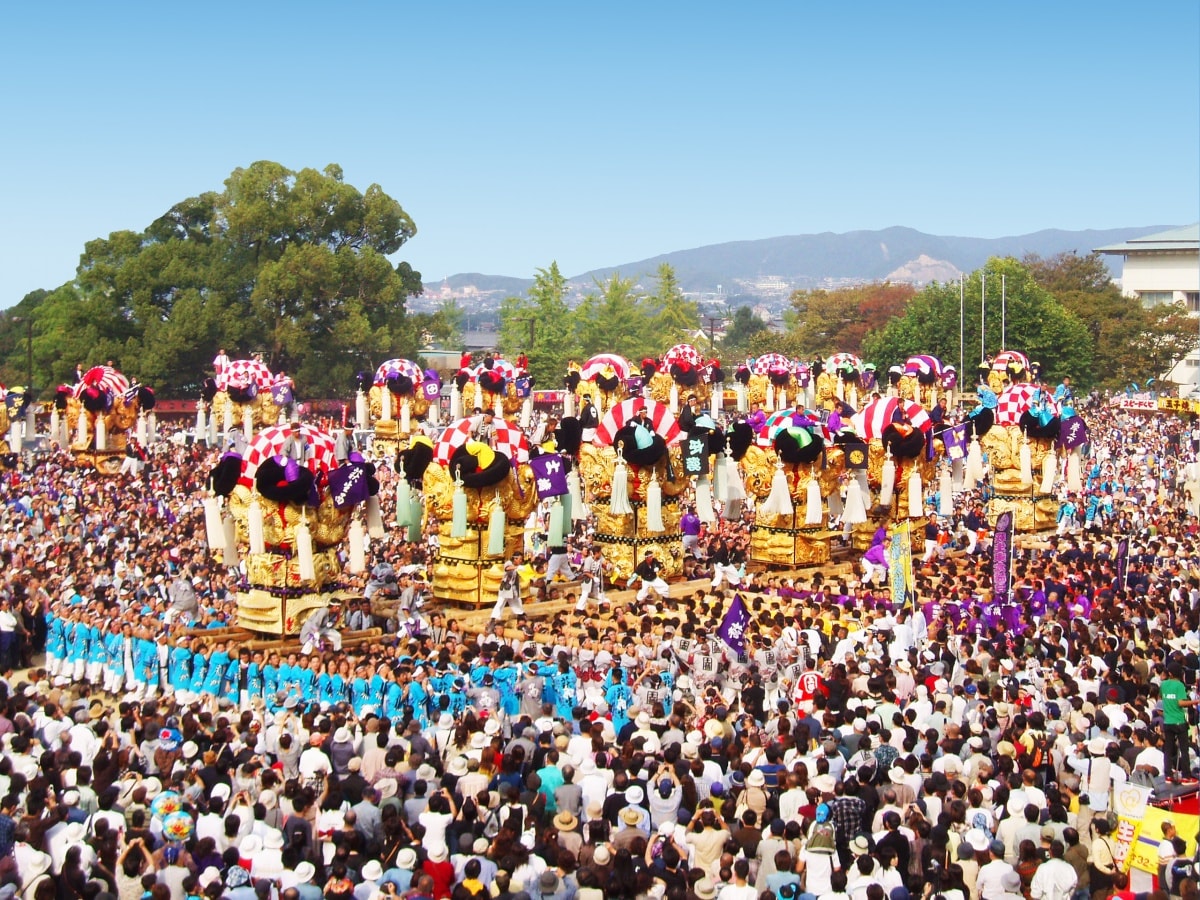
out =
column 374, row 518
column 916, row 493
column 814, row 514
column 358, row 554
column 255, row 525
column 458, row 523
column 1049, row 471
column 618, row 504
column 779, row 501
column 704, row 500
column 305, row 563
column 945, row 493
column 887, row 487
column 654, row 519
column 855, row 512
column 496, row 525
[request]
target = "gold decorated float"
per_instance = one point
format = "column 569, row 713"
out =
column 394, row 405
column 97, row 415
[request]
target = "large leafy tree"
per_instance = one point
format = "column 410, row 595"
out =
column 744, row 326
column 540, row 324
column 827, row 322
column 1036, row 323
column 292, row 264
column 615, row 318
column 1132, row 343
column 677, row 318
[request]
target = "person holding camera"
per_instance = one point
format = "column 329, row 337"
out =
column 707, row 837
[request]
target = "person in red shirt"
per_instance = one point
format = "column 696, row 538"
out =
column 464, row 361
column 439, row 868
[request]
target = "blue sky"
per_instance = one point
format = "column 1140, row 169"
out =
column 517, row 134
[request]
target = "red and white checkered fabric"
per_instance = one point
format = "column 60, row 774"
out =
column 661, row 420
column 771, row 362
column 394, row 368
column 269, row 442
column 241, row 372
column 597, row 365
column 869, row 423
column 682, row 353
column 1001, row 360
column 501, row 366
column 1019, row 399
column 838, row 360
column 104, row 377
column 507, row 438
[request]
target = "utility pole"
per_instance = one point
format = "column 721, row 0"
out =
column 712, row 329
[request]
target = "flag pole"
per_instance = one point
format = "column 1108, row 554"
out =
column 983, row 315
column 961, row 326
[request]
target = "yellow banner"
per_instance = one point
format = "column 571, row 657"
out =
column 1139, row 839
column 1178, row 405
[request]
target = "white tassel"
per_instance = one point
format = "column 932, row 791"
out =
column 1074, row 472
column 458, row 522
column 704, row 500
column 152, row 427
column 403, row 501
column 140, row 432
column 101, row 433
column 362, row 413
column 455, row 402
column 81, row 428
column 405, row 416
column 840, row 391
column 358, row 553
column 214, row 531
column 945, row 493
column 855, row 512
column 579, row 512
column 770, row 396
column 248, row 423
column 305, row 563
column 974, row 468
column 497, row 522
column 212, row 431
column 555, row 529
column 720, row 480
column 950, row 399
column 14, row 438
column 933, row 396
column 498, row 407
column 1025, row 455
column 228, row 430
column 256, row 526
column 810, row 395
column 230, row 551
column 740, row 390
column 374, row 518
column 779, row 501
column 674, row 398
column 834, row 501
column 568, row 405
column 201, row 424
column 916, row 493
column 783, row 398
column 854, row 396
column 283, row 417
column 814, row 514
column 887, row 488
column 718, row 398
column 54, row 419
column 385, row 404
column 957, row 467
column 618, row 504
column 1049, row 471
column 435, row 410
column 654, row 519
column 735, row 489
column 527, row 412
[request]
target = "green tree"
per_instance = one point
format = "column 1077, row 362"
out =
column 744, row 326
column 1037, row 324
column 614, row 319
column 293, row 264
column 541, row 325
column 1130, row 342
column 677, row 318
column 825, row 322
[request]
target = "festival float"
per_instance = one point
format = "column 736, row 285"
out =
column 244, row 395
column 479, row 496
column 634, row 474
column 400, row 394
column 773, row 382
column 287, row 519
column 1030, row 442
column 97, row 414
column 794, row 470
column 603, row 380
column 840, row 381
column 901, row 457
column 495, row 385
column 680, row 373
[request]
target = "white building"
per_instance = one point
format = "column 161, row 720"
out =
column 1160, row 269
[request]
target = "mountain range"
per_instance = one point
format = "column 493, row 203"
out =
column 781, row 264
